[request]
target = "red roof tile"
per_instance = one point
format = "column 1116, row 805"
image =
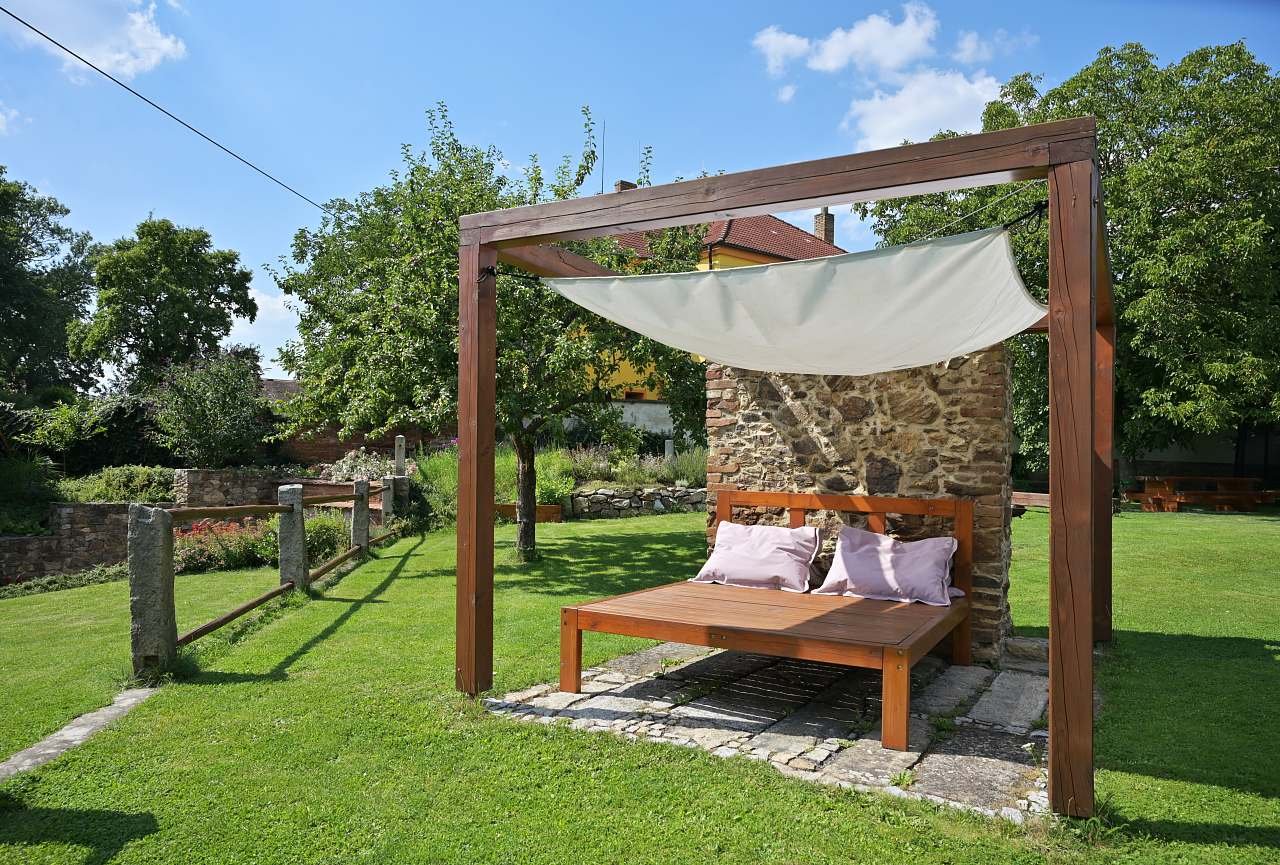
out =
column 766, row 235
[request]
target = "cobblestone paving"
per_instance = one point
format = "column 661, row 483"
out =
column 972, row 738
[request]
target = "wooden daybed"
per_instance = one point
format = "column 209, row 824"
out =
column 879, row 635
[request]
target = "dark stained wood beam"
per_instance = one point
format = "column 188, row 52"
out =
column 477, row 369
column 1104, row 421
column 967, row 161
column 1072, row 482
column 552, row 261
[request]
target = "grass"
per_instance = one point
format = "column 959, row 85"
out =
column 334, row 735
column 67, row 652
column 1185, row 745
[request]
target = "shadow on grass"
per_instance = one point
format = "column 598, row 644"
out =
column 606, row 564
column 281, row 670
column 103, row 833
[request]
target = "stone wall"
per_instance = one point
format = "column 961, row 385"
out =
column 211, row 488
column 616, row 502
column 942, row 430
column 81, row 536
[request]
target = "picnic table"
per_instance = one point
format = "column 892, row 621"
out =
column 1168, row 493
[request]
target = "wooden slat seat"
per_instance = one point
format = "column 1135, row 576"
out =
column 881, row 635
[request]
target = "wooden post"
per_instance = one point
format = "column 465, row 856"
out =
column 895, row 699
column 477, row 368
column 1104, row 343
column 1072, row 480
column 570, row 651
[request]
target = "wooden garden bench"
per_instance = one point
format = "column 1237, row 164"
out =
column 879, row 635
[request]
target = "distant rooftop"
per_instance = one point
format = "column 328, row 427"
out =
column 278, row 389
column 766, row 235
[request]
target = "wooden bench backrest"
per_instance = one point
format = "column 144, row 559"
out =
column 798, row 505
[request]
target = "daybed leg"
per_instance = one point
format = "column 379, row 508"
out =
column 962, row 644
column 895, row 699
column 570, row 651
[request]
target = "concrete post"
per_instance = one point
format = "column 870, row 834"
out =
column 669, row 448
column 153, row 623
column 399, row 455
column 388, row 500
column 293, row 538
column 360, row 516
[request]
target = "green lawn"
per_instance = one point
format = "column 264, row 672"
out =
column 1186, row 746
column 334, row 734
column 66, row 653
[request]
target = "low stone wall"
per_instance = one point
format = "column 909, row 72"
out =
column 83, row 535
column 615, row 502
column 212, row 488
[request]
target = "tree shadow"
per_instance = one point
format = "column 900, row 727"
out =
column 601, row 565
column 104, row 833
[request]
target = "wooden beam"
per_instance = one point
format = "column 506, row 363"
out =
column 967, row 161
column 552, row 261
column 1104, row 426
column 1072, row 480
column 477, row 368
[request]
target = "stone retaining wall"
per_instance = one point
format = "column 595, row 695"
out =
column 211, row 488
column 618, row 502
column 83, row 535
column 941, row 430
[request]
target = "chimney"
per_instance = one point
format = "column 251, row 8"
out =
column 623, row 185
column 824, row 226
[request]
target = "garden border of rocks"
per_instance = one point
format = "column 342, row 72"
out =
column 611, row 502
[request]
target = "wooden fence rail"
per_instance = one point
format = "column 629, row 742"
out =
column 227, row 618
column 228, row 512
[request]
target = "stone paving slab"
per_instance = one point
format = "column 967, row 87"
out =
column 74, row 733
column 1015, row 701
column 805, row 718
column 985, row 768
column 656, row 659
column 951, row 690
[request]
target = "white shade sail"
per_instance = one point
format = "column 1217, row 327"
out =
column 855, row 314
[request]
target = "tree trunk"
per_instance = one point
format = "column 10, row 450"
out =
column 526, row 500
column 1242, row 444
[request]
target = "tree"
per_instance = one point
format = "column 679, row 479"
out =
column 1188, row 155
column 377, row 285
column 210, row 411
column 165, row 296
column 44, row 286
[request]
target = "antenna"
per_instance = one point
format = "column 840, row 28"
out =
column 604, row 136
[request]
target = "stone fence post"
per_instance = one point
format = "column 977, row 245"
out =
column 360, row 516
column 293, row 538
column 388, row 500
column 399, row 455
column 153, row 622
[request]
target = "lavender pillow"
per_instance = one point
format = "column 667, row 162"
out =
column 761, row 557
column 871, row 565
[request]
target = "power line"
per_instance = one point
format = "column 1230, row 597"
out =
column 227, row 150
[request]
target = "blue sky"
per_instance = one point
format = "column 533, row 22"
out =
column 324, row 93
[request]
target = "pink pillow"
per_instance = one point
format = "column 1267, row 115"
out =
column 872, row 565
column 761, row 557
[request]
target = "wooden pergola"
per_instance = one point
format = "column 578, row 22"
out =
column 1080, row 325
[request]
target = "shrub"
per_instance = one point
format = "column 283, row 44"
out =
column 591, row 463
column 636, row 471
column 327, row 535
column 438, row 476
column 555, row 476
column 27, row 485
column 147, row 484
column 689, row 466
column 215, row 546
column 360, row 464
column 210, row 411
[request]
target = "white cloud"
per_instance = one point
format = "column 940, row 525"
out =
column 7, row 118
column 779, row 48
column 274, row 325
column 786, row 93
column 927, row 101
column 972, row 48
column 122, row 37
column 876, row 43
